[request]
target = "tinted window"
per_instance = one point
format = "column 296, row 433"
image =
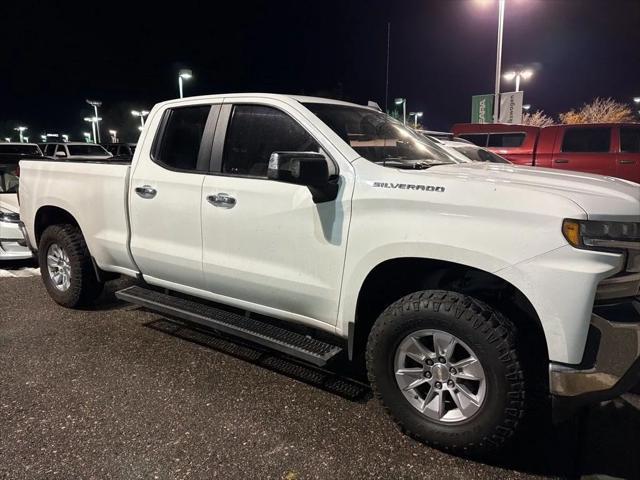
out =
column 49, row 149
column 254, row 133
column 630, row 140
column 8, row 178
column 481, row 155
column 182, row 137
column 86, row 150
column 586, row 140
column 13, row 149
column 476, row 139
column 112, row 149
column 506, row 140
column 60, row 148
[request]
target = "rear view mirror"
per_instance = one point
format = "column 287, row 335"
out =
column 310, row 169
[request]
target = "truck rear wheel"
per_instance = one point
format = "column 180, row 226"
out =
column 444, row 366
column 65, row 266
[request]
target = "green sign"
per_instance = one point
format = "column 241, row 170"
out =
column 482, row 109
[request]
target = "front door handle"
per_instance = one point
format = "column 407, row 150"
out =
column 627, row 162
column 222, row 200
column 146, row 191
column 561, row 160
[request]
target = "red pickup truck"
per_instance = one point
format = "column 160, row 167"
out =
column 605, row 148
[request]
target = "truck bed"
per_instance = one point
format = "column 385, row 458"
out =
column 101, row 185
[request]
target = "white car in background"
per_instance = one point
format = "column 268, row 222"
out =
column 13, row 245
column 473, row 152
column 76, row 151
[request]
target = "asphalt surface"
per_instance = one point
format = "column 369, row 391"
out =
column 118, row 392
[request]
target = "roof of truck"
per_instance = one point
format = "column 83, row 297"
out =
column 298, row 98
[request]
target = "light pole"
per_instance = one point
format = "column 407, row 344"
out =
column 183, row 74
column 94, row 122
column 20, row 131
column 416, row 115
column 521, row 74
column 141, row 114
column 403, row 102
column 496, row 99
column 87, row 137
column 114, row 136
column 65, row 138
column 95, row 104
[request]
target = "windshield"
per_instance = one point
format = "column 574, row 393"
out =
column 17, row 149
column 480, row 154
column 8, row 178
column 381, row 139
column 87, row 150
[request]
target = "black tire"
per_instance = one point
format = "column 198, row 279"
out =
column 84, row 287
column 492, row 338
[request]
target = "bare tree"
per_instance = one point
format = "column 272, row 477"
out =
column 600, row 110
column 537, row 119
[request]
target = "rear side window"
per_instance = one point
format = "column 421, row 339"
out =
column 586, row 140
column 506, row 140
column 254, row 133
column 479, row 139
column 182, row 136
column 630, row 140
column 49, row 149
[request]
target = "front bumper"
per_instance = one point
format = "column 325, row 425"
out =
column 13, row 243
column 611, row 365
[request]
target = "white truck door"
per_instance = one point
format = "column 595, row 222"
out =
column 266, row 244
column 165, row 197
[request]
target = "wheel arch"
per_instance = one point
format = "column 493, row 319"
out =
column 51, row 215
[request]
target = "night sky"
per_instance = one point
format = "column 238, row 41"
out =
column 57, row 53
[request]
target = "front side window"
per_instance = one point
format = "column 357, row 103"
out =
column 506, row 140
column 18, row 149
column 586, row 140
column 182, row 136
column 49, row 149
column 630, row 140
column 254, row 133
column 379, row 138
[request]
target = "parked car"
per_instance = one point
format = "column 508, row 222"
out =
column 76, row 151
column 13, row 245
column 122, row 151
column 611, row 149
column 474, row 152
column 320, row 226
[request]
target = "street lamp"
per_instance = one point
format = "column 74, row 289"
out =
column 87, row 137
column 416, row 115
column 141, row 114
column 114, row 136
column 403, row 102
column 183, row 74
column 526, row 107
column 95, row 104
column 636, row 99
column 7, row 139
column 94, row 122
column 65, row 138
column 20, row 131
column 520, row 74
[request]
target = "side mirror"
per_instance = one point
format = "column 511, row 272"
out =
column 310, row 169
column 61, row 154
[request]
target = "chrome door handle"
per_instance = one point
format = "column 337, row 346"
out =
column 222, row 200
column 561, row 160
column 627, row 162
column 146, row 191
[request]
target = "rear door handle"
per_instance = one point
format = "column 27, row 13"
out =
column 222, row 200
column 561, row 160
column 627, row 162
column 146, row 191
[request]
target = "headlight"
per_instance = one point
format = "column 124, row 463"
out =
column 9, row 217
column 620, row 237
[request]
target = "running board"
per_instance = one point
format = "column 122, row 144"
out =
column 277, row 338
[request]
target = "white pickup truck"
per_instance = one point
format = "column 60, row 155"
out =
column 318, row 226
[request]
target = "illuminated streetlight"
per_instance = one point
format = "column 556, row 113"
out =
column 95, row 104
column 43, row 138
column 403, row 102
column 20, row 131
column 141, row 114
column 114, row 136
column 416, row 115
column 87, row 137
column 519, row 75
column 7, row 139
column 183, row 74
column 636, row 99
column 65, row 138
column 94, row 122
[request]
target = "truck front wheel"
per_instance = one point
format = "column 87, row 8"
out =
column 65, row 266
column 445, row 367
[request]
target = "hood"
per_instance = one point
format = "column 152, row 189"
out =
column 9, row 201
column 601, row 197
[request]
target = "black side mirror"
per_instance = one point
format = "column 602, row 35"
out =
column 304, row 168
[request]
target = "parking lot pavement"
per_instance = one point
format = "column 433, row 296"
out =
column 118, row 392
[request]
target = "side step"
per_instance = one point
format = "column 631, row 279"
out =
column 286, row 341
